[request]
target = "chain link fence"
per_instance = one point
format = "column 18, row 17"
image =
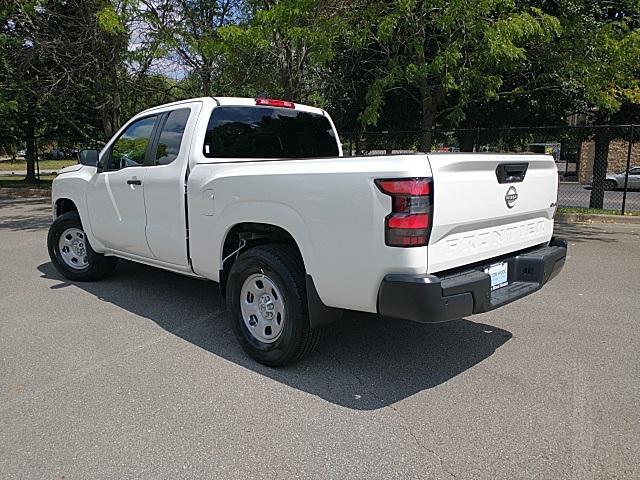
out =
column 598, row 166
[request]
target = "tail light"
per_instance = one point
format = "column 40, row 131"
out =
column 555, row 204
column 410, row 220
column 270, row 102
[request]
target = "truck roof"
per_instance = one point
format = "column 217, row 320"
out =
column 236, row 101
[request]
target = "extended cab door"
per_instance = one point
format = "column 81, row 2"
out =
column 164, row 188
column 116, row 198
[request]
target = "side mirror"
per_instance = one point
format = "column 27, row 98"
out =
column 88, row 157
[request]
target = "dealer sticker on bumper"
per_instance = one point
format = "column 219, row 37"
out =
column 498, row 272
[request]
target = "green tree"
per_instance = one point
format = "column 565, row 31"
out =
column 445, row 54
column 10, row 134
column 297, row 38
column 59, row 69
column 598, row 60
column 187, row 33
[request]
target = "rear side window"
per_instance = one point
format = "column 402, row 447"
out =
column 266, row 132
column 171, row 136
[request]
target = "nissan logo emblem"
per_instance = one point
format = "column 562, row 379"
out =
column 511, row 197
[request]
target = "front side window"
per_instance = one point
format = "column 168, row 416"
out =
column 267, row 132
column 634, row 171
column 130, row 149
column 171, row 136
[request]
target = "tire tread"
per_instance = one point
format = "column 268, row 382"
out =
column 290, row 257
column 289, row 260
column 99, row 265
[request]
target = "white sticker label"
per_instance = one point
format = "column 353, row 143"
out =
column 206, row 149
column 498, row 274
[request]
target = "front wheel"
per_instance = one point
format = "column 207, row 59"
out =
column 71, row 253
column 267, row 305
column 610, row 185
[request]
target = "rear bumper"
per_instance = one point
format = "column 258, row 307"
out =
column 430, row 299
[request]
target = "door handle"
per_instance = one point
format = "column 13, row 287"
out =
column 134, row 182
column 511, row 172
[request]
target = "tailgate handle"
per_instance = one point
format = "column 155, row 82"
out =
column 511, row 172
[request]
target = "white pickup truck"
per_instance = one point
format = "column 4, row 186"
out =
column 256, row 195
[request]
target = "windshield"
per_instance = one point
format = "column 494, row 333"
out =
column 267, row 132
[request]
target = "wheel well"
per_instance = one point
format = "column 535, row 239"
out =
column 247, row 235
column 65, row 205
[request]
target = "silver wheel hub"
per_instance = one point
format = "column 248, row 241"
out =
column 262, row 308
column 73, row 248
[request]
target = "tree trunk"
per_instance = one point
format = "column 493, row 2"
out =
column 31, row 153
column 111, row 108
column 467, row 140
column 286, row 81
column 110, row 115
column 105, row 118
column 287, row 87
column 205, row 74
column 426, row 137
column 429, row 101
column 600, row 166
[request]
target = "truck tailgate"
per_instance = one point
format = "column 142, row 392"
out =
column 487, row 205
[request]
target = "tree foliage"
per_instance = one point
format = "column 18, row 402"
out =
column 598, row 63
column 78, row 68
column 447, row 54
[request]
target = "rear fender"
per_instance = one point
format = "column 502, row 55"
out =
column 270, row 213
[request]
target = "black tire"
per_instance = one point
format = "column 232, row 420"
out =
column 98, row 266
column 284, row 267
column 610, row 185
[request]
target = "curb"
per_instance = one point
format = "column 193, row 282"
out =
column 595, row 218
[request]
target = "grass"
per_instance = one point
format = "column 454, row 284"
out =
column 21, row 165
column 17, row 181
column 596, row 211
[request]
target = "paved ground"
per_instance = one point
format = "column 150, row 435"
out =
column 139, row 377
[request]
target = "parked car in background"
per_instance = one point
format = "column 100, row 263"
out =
column 53, row 154
column 613, row 181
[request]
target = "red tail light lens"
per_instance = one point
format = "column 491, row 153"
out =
column 405, row 186
column 409, row 223
column 270, row 102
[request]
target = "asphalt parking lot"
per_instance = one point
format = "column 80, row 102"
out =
column 139, row 376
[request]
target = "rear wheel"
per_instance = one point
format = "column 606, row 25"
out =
column 610, row 185
column 267, row 305
column 71, row 253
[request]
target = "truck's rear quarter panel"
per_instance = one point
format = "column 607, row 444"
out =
column 336, row 214
column 330, row 206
